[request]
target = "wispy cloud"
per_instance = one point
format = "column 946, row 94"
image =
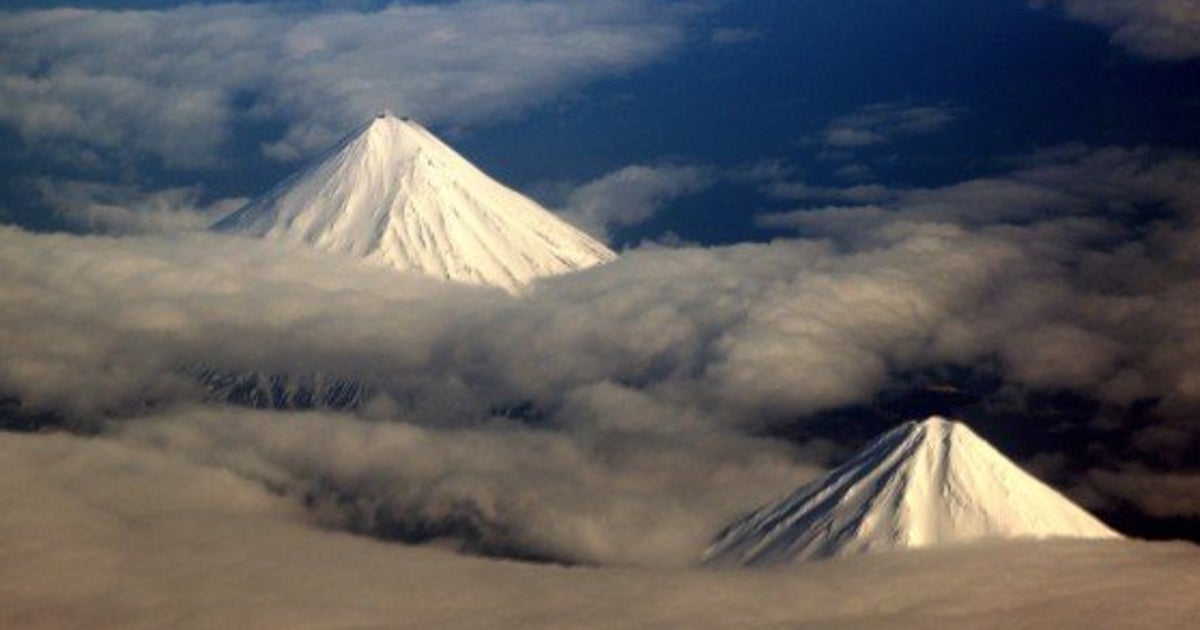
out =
column 630, row 195
column 125, row 209
column 1167, row 30
column 175, row 83
column 881, row 123
column 726, row 36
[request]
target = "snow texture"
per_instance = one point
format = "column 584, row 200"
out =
column 395, row 195
column 919, row 485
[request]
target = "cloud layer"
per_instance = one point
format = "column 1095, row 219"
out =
column 630, row 195
column 624, row 399
column 880, row 123
column 99, row 534
column 591, row 496
column 184, row 80
column 123, row 209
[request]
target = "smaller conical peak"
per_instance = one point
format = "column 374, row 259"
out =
column 922, row 484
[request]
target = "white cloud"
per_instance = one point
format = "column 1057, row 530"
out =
column 117, row 209
column 632, row 369
column 630, row 195
column 1159, row 494
column 1166, row 30
column 100, row 534
column 880, row 123
column 174, row 83
column 826, row 220
column 1072, row 322
column 594, row 495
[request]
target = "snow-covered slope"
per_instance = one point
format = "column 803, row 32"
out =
column 921, row 484
column 395, row 195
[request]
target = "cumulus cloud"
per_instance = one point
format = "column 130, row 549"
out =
column 734, row 334
column 1158, row 494
column 1109, row 235
column 630, row 195
column 825, row 220
column 880, row 123
column 100, row 534
column 124, row 209
column 176, row 83
column 498, row 419
column 593, row 496
column 1063, row 215
column 1167, row 30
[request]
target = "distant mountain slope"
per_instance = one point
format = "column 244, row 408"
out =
column 922, row 484
column 397, row 196
column 280, row 391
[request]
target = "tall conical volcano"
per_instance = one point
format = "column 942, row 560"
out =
column 921, row 484
column 395, row 195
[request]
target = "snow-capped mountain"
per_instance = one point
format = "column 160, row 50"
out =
column 921, row 484
column 395, row 195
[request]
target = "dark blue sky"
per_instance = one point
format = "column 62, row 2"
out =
column 747, row 83
column 1020, row 80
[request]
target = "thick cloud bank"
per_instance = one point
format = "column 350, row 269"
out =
column 611, row 416
column 184, row 80
column 97, row 534
column 497, row 489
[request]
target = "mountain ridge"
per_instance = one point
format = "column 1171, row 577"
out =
column 395, row 195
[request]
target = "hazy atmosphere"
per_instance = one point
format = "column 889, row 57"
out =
column 830, row 219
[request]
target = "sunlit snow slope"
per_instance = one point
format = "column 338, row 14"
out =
column 921, row 484
column 393, row 194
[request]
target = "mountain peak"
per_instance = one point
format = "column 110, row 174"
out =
column 394, row 195
column 387, row 122
column 387, row 136
column 921, row 484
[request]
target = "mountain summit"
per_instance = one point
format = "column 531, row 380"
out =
column 395, row 195
column 921, row 484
